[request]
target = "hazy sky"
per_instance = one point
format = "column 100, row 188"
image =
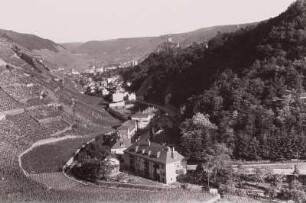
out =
column 83, row 20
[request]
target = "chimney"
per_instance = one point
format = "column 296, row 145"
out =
column 136, row 148
column 128, row 133
column 149, row 143
column 158, row 154
column 143, row 151
column 149, row 153
column 172, row 153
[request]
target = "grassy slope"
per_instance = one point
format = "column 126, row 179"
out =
column 51, row 157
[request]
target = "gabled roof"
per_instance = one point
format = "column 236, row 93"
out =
column 154, row 152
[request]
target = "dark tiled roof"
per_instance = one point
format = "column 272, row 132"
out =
column 154, row 152
column 140, row 115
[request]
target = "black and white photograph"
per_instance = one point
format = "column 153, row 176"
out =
column 122, row 101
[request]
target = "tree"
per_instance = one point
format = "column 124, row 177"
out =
column 277, row 181
column 215, row 170
column 295, row 191
column 9, row 68
column 248, row 82
column 94, row 160
column 197, row 137
column 105, row 168
column 261, row 175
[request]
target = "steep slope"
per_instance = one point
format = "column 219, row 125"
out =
column 125, row 49
column 250, row 83
column 193, row 68
column 50, row 51
column 27, row 79
column 31, row 42
column 35, row 105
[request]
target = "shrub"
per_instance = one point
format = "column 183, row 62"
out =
column 293, row 194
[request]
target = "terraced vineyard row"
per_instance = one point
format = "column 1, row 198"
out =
column 7, row 102
column 35, row 101
column 29, row 127
column 55, row 126
column 19, row 92
column 45, row 111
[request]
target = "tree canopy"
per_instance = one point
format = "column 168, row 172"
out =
column 250, row 83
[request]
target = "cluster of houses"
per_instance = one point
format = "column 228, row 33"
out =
column 128, row 64
column 113, row 87
column 145, row 158
column 102, row 69
column 120, row 98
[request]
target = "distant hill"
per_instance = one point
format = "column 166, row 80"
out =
column 51, row 51
column 205, row 34
column 80, row 55
column 72, row 45
column 125, row 49
column 31, row 42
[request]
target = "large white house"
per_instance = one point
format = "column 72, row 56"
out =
column 154, row 161
column 118, row 96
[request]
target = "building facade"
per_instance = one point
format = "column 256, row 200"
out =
column 154, row 161
column 118, row 96
column 143, row 119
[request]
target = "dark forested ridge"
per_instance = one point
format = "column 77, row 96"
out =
column 248, row 84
